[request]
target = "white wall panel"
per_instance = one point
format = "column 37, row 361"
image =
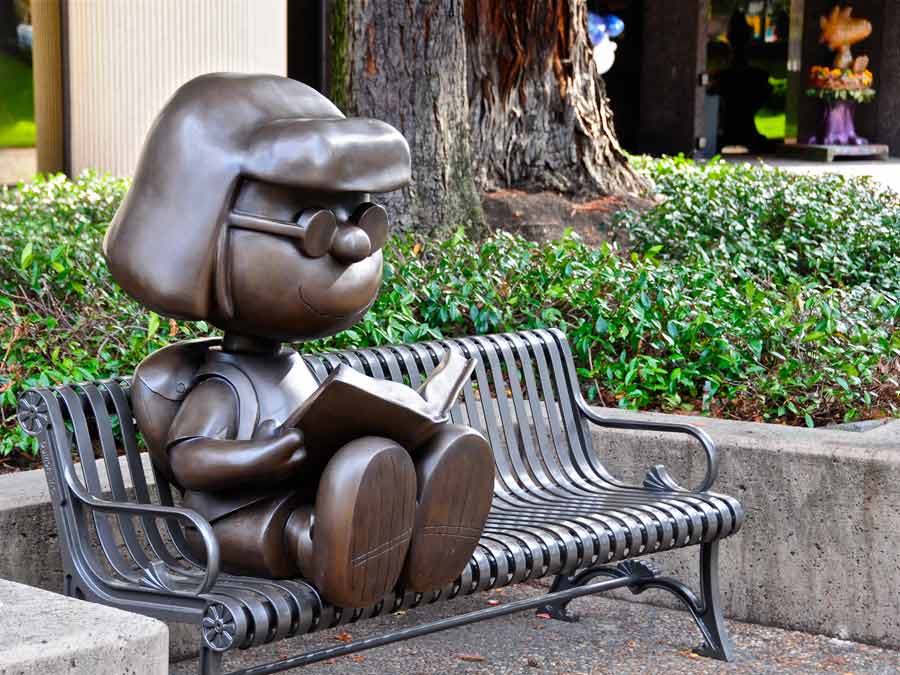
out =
column 127, row 57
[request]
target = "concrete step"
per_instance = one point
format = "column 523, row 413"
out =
column 49, row 634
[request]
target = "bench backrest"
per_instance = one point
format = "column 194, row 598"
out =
column 522, row 397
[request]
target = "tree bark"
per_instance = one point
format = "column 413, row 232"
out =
column 538, row 112
column 403, row 61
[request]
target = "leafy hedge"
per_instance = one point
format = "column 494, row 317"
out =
column 771, row 318
column 771, row 224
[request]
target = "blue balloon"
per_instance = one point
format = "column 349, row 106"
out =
column 614, row 25
column 597, row 30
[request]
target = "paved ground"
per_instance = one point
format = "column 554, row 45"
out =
column 613, row 637
column 884, row 171
column 17, row 164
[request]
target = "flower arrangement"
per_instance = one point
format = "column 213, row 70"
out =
column 837, row 84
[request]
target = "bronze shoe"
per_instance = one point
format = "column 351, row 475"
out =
column 455, row 486
column 362, row 522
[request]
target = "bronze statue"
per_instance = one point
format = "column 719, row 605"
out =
column 250, row 209
column 840, row 31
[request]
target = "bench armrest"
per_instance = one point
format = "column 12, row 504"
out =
column 158, row 573
column 658, row 476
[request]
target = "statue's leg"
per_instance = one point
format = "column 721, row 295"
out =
column 251, row 540
column 352, row 545
column 455, row 472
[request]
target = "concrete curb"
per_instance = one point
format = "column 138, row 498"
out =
column 818, row 549
column 45, row 634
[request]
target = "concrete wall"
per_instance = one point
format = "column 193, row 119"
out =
column 818, row 550
column 48, row 634
column 125, row 59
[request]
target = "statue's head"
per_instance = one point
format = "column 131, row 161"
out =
column 250, row 209
column 840, row 30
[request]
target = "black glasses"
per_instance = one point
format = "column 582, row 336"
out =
column 315, row 228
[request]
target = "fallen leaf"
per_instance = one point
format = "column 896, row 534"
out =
column 542, row 615
column 343, row 637
column 533, row 662
column 833, row 661
column 359, row 658
column 471, row 658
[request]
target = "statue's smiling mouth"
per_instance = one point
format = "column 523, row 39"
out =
column 325, row 315
column 312, row 308
column 332, row 290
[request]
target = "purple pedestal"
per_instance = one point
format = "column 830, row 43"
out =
column 836, row 125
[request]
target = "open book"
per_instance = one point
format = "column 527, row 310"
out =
column 349, row 404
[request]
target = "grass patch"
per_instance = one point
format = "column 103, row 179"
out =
column 17, row 128
column 770, row 123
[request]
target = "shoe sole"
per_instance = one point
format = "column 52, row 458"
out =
column 364, row 514
column 455, row 488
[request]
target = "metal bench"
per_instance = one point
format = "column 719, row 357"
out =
column 556, row 510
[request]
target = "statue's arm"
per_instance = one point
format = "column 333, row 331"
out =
column 205, row 456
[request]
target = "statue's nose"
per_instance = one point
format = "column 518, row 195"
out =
column 351, row 244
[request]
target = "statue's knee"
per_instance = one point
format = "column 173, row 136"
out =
column 456, row 438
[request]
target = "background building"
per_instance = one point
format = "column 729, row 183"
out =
column 81, row 80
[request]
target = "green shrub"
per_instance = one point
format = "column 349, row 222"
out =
column 690, row 327
column 771, row 224
column 63, row 319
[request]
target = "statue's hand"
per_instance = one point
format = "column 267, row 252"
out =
column 286, row 443
column 272, row 453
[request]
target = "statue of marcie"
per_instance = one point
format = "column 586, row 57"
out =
column 250, row 209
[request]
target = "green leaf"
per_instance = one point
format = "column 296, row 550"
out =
column 26, row 256
column 152, row 325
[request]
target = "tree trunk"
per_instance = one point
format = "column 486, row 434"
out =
column 539, row 116
column 403, row 61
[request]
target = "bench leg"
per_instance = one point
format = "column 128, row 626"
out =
column 210, row 661
column 717, row 642
column 706, row 610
